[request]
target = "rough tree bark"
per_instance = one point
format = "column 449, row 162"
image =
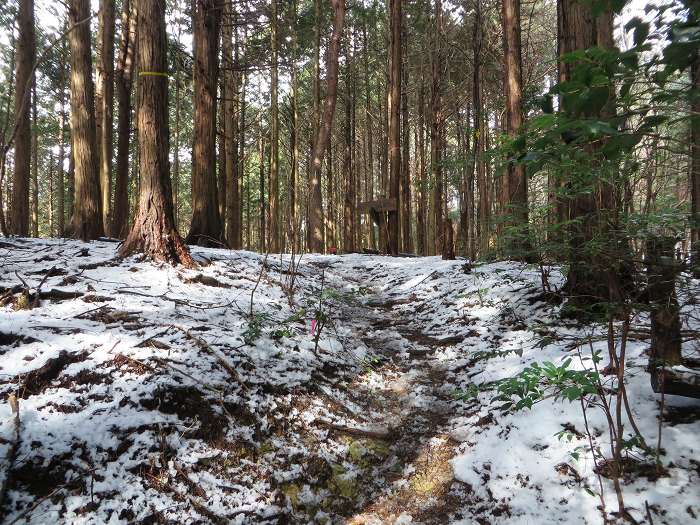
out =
column 60, row 174
column 232, row 212
column 124, row 84
column 315, row 212
column 274, row 135
column 589, row 214
column 87, row 222
column 483, row 206
column 516, row 178
column 206, row 228
column 105, row 115
column 436, row 124
column 406, row 211
column 394, row 103
column 25, row 56
column 153, row 232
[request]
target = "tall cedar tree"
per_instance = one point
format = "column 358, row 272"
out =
column 206, row 228
column 436, row 130
column 104, row 108
column 274, row 189
column 124, row 83
column 86, row 223
column 516, row 178
column 580, row 30
column 315, row 205
column 232, row 211
column 394, row 122
column 324, row 132
column 26, row 53
column 153, row 232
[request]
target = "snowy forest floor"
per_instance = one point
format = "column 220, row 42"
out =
column 154, row 394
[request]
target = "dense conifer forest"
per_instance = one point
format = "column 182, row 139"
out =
column 349, row 261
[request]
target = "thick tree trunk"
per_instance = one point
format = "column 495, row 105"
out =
column 591, row 209
column 315, row 213
column 153, row 232
column 662, row 270
column 516, row 178
column 206, row 227
column 448, row 245
column 124, row 84
column 25, row 56
column 394, row 103
column 105, row 113
column 87, row 222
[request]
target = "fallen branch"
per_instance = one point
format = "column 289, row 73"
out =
column 203, row 345
column 377, row 433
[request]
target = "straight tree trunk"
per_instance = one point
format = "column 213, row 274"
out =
column 86, row 223
column 206, row 228
column 4, row 182
column 294, row 140
column 274, row 135
column 241, row 152
column 585, row 287
column 232, row 213
column 153, row 232
column 261, row 155
column 480, row 138
column 315, row 213
column 369, row 138
column 394, row 103
column 406, row 211
column 467, row 173
column 124, row 85
column 24, row 63
column 436, row 132
column 516, row 178
column 106, row 102
column 695, row 168
column 61, row 139
column 421, row 224
column 35, row 166
column 348, row 160
column 315, row 204
column 176, row 135
column 222, row 126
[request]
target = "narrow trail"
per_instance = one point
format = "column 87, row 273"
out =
column 410, row 397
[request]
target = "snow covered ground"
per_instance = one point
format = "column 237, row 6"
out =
column 151, row 394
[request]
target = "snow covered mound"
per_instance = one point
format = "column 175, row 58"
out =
column 330, row 389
